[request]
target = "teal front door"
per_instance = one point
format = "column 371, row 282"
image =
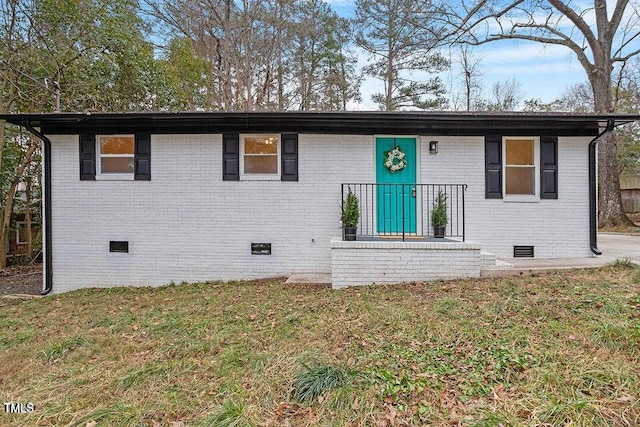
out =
column 396, row 190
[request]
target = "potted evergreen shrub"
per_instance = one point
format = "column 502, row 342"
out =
column 439, row 218
column 350, row 216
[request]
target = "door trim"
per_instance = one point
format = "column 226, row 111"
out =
column 377, row 163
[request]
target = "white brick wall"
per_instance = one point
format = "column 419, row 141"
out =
column 362, row 263
column 557, row 228
column 186, row 224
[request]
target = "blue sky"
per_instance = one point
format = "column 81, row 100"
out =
column 543, row 71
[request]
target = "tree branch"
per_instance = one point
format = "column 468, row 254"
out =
column 577, row 21
column 618, row 13
column 626, row 57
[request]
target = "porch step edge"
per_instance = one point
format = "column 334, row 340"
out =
column 487, row 259
column 320, row 279
column 498, row 265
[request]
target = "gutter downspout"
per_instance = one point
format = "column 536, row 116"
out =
column 593, row 188
column 48, row 266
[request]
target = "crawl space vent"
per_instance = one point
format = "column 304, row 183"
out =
column 119, row 246
column 523, row 251
column 261, row 249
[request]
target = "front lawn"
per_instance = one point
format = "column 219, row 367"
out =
column 561, row 348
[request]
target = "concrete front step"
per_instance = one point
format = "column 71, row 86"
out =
column 320, row 279
column 498, row 265
column 531, row 266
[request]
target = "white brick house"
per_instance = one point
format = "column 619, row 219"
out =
column 151, row 198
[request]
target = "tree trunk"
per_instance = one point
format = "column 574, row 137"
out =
column 390, row 64
column 4, row 226
column 2, row 125
column 280, row 85
column 610, row 211
column 8, row 206
column 27, row 218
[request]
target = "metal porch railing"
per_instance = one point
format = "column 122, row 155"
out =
column 404, row 210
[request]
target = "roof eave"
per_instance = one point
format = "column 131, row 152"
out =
column 419, row 123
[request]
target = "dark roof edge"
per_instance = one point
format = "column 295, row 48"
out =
column 349, row 122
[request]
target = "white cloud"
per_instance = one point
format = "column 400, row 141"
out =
column 518, row 52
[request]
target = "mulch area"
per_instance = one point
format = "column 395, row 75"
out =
column 21, row 279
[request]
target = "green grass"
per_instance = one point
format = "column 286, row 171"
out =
column 557, row 349
column 57, row 350
column 229, row 414
column 314, row 381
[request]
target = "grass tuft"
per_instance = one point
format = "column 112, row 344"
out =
column 10, row 340
column 624, row 264
column 229, row 414
column 618, row 335
column 314, row 381
column 57, row 350
column 573, row 411
column 120, row 414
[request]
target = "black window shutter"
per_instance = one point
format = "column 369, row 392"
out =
column 549, row 167
column 87, row 157
column 493, row 167
column 289, row 157
column 142, row 157
column 230, row 157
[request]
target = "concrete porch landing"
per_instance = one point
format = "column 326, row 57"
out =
column 507, row 267
column 504, row 267
column 613, row 246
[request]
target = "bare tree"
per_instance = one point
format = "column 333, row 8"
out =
column 599, row 38
column 262, row 54
column 577, row 98
column 627, row 100
column 505, row 96
column 468, row 95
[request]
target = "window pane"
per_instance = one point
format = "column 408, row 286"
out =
column 117, row 165
column 519, row 151
column 116, row 144
column 520, row 180
column 261, row 145
column 260, row 164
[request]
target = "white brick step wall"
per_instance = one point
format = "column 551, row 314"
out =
column 369, row 262
column 488, row 259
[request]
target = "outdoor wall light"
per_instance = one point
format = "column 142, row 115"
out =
column 433, row 147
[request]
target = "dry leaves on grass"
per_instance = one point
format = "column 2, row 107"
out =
column 287, row 412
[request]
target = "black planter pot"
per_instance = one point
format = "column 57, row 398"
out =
column 438, row 232
column 349, row 233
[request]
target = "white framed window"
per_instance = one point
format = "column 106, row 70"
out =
column 115, row 156
column 260, row 157
column 521, row 172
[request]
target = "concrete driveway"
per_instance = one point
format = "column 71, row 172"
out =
column 619, row 246
column 612, row 245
